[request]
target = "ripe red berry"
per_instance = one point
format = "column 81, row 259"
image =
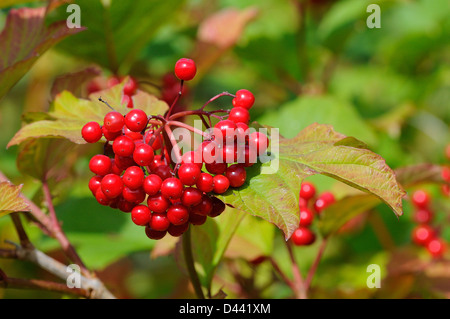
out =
column 422, row 234
column 229, row 153
column 236, row 175
column 258, row 142
column 143, row 154
column 177, row 230
column 154, row 234
column 133, row 177
column 207, row 151
column 420, row 198
column 124, row 205
column 130, row 87
column 101, row 198
column 423, row 216
column 178, row 214
column 113, row 121
column 306, row 217
column 185, row 69
column 152, row 184
column 136, row 120
column 163, row 171
column 159, row 222
column 324, row 200
column 436, row 247
column 205, row 206
column 189, row 174
column 192, row 157
column 216, row 167
column 100, row 165
column 172, row 188
column 196, row 219
column 135, row 196
column 224, row 130
column 191, row 196
column 221, row 184
column 158, row 203
column 112, row 185
column 94, row 183
column 244, row 98
column 123, row 162
column 123, row 146
column 205, row 183
column 141, row 215
column 303, row 236
column 307, row 190
column 110, row 136
column 239, row 115
column 218, row 207
column 91, row 132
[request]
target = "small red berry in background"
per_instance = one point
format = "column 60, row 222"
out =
column 436, row 247
column 185, row 69
column 420, row 198
column 307, row 191
column 303, row 236
column 422, row 234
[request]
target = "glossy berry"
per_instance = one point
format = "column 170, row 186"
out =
column 113, row 121
column 303, row 236
column 135, row 196
column 185, row 69
column 204, row 207
column 436, row 247
column 221, row 184
column 124, row 205
column 178, row 214
column 189, row 174
column 159, row 222
column 224, row 130
column 143, row 154
column 94, row 183
column 133, row 177
column 158, row 203
column 258, row 142
column 123, row 146
column 154, row 234
column 218, row 207
column 112, row 185
column 136, row 120
column 110, row 136
column 307, row 190
column 196, row 219
column 100, row 165
column 172, row 188
column 422, row 234
column 130, row 87
column 91, row 132
column 207, row 151
column 177, row 230
column 239, row 115
column 306, row 217
column 192, row 157
column 205, row 182
column 163, row 171
column 236, row 175
column 101, row 198
column 152, row 184
column 420, row 198
column 216, row 167
column 244, row 98
column 141, row 215
column 191, row 196
column 229, row 153
column 123, row 162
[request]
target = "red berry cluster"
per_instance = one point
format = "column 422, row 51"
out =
column 137, row 174
column 424, row 234
column 309, row 206
column 129, row 88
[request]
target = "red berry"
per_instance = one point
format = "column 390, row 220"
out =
column 436, row 247
column 224, row 130
column 133, row 177
column 218, row 207
column 205, row 206
column 422, row 234
column 191, row 196
column 185, row 69
column 100, row 165
column 192, row 157
column 124, row 205
column 141, row 215
column 306, row 217
column 324, row 200
column 239, row 115
column 244, row 98
column 152, row 184
column 207, row 151
column 91, row 132
column 172, row 188
column 420, row 198
column 205, row 183
column 258, row 142
column 423, row 216
column 112, row 185
column 110, row 136
column 159, row 222
column 113, row 121
column 123, row 146
column 136, row 120
column 221, row 184
column 135, row 136
column 196, row 219
column 94, row 183
column 135, row 196
column 127, row 100
column 158, row 203
column 216, row 168
column 154, row 234
column 130, row 87
column 236, row 175
column 177, row 230
column 101, row 198
column 303, row 236
column 123, row 162
column 229, row 153
column 114, row 168
column 163, row 171
column 143, row 154
column 178, row 214
column 307, row 190
column 189, row 174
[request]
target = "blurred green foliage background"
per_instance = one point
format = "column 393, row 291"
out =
column 306, row 61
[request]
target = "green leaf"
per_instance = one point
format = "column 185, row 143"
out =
column 69, row 114
column 10, row 200
column 116, row 30
column 23, row 40
column 317, row 149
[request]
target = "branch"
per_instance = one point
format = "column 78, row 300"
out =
column 315, row 264
column 299, row 290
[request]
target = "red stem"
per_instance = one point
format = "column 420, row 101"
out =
column 315, row 264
